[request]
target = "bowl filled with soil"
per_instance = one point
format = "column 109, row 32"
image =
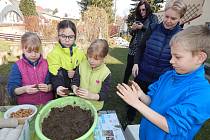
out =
column 66, row 118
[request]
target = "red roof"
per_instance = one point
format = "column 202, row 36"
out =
column 39, row 9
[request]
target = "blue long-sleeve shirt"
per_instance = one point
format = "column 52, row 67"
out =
column 15, row 78
column 183, row 100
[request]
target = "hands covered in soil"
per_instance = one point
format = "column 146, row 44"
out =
column 139, row 91
column 130, row 94
column 61, row 91
column 43, row 87
column 83, row 93
column 71, row 73
column 31, row 89
column 75, row 88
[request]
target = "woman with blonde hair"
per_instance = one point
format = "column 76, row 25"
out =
column 153, row 57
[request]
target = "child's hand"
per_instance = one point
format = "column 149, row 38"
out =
column 81, row 92
column 71, row 73
column 75, row 89
column 60, row 90
column 43, row 87
column 136, row 89
column 31, row 89
column 128, row 94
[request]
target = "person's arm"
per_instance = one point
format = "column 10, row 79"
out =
column 103, row 94
column 75, row 81
column 30, row 89
column 48, row 82
column 153, row 19
column 130, row 96
column 154, row 117
column 131, row 31
column 140, row 52
column 45, row 87
column 55, row 72
column 54, row 62
column 57, row 80
column 76, row 78
column 84, row 93
column 141, row 95
column 142, row 46
column 20, row 90
column 47, row 78
column 188, row 112
column 14, row 80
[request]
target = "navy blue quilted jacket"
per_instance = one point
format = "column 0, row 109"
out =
column 155, row 59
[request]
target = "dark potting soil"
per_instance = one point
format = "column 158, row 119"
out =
column 67, row 123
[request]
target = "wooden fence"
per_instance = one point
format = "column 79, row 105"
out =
column 17, row 38
column 10, row 37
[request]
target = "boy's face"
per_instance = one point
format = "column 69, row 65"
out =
column 66, row 37
column 94, row 63
column 31, row 54
column 183, row 61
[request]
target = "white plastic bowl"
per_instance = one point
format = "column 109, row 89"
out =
column 18, row 107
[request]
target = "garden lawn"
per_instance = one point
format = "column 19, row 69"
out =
column 4, row 45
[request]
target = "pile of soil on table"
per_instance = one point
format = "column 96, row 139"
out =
column 67, row 123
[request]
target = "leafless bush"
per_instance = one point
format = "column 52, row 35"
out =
column 49, row 31
column 31, row 23
column 94, row 25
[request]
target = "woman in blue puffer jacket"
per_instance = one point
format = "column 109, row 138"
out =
column 153, row 55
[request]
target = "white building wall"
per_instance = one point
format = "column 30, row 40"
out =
column 205, row 17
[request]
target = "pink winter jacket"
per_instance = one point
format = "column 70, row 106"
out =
column 33, row 75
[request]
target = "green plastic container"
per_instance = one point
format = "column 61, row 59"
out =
column 61, row 102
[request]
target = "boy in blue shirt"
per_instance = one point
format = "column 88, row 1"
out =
column 177, row 105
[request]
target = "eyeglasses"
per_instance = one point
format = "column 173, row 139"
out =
column 142, row 10
column 70, row 37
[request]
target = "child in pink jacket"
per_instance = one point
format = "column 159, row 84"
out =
column 29, row 77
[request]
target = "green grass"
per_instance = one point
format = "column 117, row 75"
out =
column 4, row 71
column 208, row 60
column 4, row 45
column 116, row 61
column 5, row 68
